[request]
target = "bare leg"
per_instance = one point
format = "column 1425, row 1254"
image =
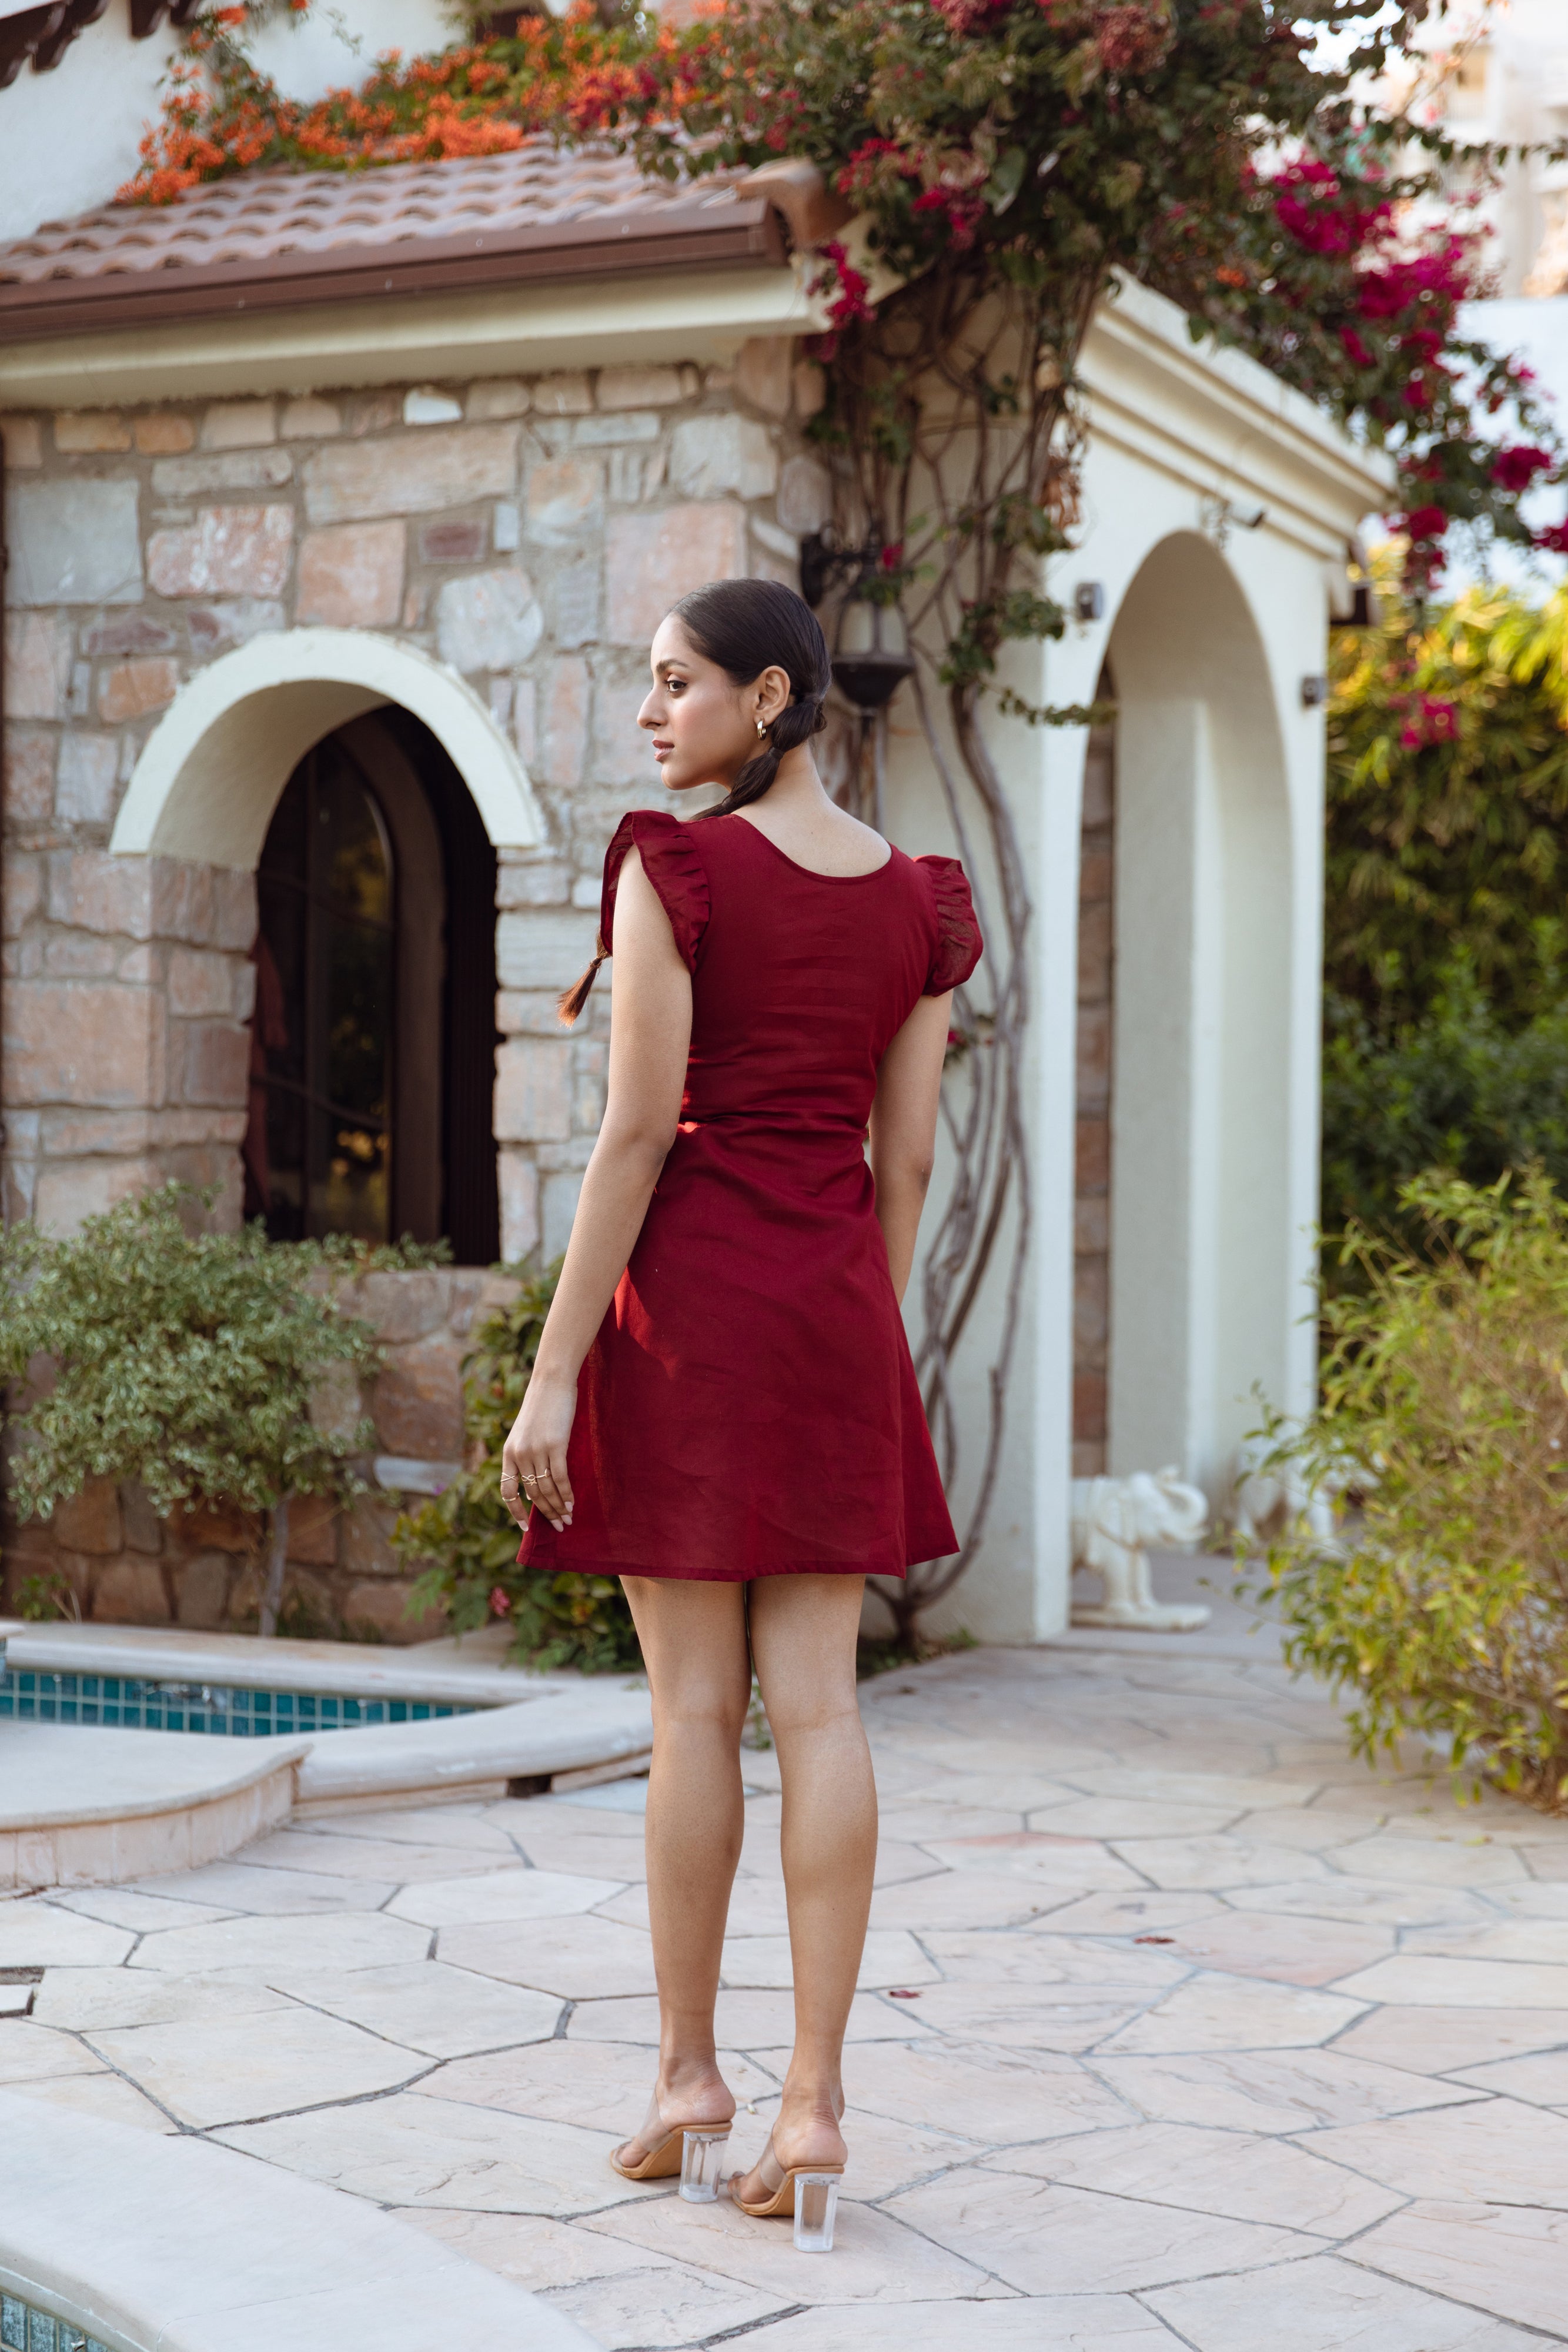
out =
column 694, row 1643
column 804, row 1630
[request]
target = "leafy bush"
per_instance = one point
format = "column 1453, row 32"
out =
column 1456, row 1090
column 1444, row 1405
column 471, row 1539
column 214, row 1368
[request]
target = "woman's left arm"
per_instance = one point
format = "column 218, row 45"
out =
column 650, row 1036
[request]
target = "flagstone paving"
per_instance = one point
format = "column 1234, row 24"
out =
column 1176, row 2027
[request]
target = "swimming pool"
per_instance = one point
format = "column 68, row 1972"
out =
column 221, row 1710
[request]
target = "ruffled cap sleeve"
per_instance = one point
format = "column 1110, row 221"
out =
column 958, row 943
column 672, row 865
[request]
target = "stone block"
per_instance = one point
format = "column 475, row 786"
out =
column 811, row 390
column 557, row 1207
column 143, row 1528
column 524, row 1011
column 533, row 1090
column 545, row 949
column 712, row 456
column 100, row 893
column 309, row 420
column 202, row 1590
column 488, row 620
column 763, row 371
column 805, row 496
column 78, row 955
column 205, row 477
column 383, row 1609
column 228, row 550
column 200, row 981
column 525, row 721
column 423, row 404
column 416, row 473
column 417, row 1403
column 367, row 1547
column 37, row 657
column 403, row 1307
column 29, row 775
column 164, row 433
column 24, row 892
column 462, row 540
column 239, row 424
column 622, row 752
column 234, row 909
column 564, row 728
column 22, row 440
column 89, row 1520
column 502, row 396
column 652, row 559
column 215, row 627
column 74, row 542
column 313, row 1531
column 130, row 1592
column 214, row 1063
column 638, row 424
column 91, row 433
column 638, row 387
column 350, row 576
column 590, row 1068
column 81, row 1041
column 129, row 633
column 518, row 1181
column 218, row 1526
column 562, row 395
column 87, row 778
column 184, row 900
column 547, row 883
column 131, row 689
column 576, row 604
column 565, row 499
column 1093, row 1154
column 1093, row 1056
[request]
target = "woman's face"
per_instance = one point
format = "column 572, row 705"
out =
column 704, row 726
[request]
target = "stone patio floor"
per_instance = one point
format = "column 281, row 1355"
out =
column 1177, row 2028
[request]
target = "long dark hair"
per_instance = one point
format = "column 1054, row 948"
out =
column 748, row 626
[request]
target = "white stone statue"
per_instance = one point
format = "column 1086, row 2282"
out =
column 1269, row 1496
column 1113, row 1522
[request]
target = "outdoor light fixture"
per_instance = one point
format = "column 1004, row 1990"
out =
column 871, row 656
column 1314, row 691
column 1089, row 601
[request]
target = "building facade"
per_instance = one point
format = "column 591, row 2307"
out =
column 340, row 514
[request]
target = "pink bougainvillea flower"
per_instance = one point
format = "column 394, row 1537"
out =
column 500, row 1602
column 1516, row 468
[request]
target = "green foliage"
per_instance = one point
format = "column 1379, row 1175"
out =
column 1445, row 1403
column 1448, row 809
column 470, row 1538
column 1455, row 1089
column 211, row 1367
column 45, row 1598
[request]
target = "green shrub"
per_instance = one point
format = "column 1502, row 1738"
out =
column 1445, row 1406
column 214, row 1368
column 470, row 1537
column 1456, row 1090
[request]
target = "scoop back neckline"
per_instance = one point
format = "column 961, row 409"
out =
column 811, row 871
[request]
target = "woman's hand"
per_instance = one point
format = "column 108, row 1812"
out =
column 533, row 1460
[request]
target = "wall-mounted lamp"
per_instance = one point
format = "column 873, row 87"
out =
column 1314, row 691
column 1089, row 601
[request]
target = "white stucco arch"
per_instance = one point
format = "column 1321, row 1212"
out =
column 211, row 773
column 1207, row 1270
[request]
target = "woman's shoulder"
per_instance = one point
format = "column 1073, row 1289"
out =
column 957, row 946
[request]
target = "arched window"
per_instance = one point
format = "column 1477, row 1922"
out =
column 373, row 1035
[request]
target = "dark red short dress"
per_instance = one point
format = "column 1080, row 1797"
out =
column 748, row 1406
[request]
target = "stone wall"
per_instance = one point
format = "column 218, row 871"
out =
column 528, row 533
column 202, row 1570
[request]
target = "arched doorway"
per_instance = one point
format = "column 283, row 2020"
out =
column 373, row 1035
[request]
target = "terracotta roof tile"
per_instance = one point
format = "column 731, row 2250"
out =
column 277, row 238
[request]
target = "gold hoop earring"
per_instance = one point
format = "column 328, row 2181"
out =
column 760, row 729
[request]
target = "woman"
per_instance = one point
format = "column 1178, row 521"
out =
column 723, row 1411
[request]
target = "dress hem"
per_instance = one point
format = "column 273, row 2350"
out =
column 714, row 1575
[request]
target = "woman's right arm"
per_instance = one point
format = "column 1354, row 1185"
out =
column 904, row 1129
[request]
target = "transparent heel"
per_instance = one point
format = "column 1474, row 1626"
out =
column 702, row 2164
column 816, row 2204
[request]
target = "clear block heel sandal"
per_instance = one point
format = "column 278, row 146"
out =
column 694, row 2150
column 806, row 2192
